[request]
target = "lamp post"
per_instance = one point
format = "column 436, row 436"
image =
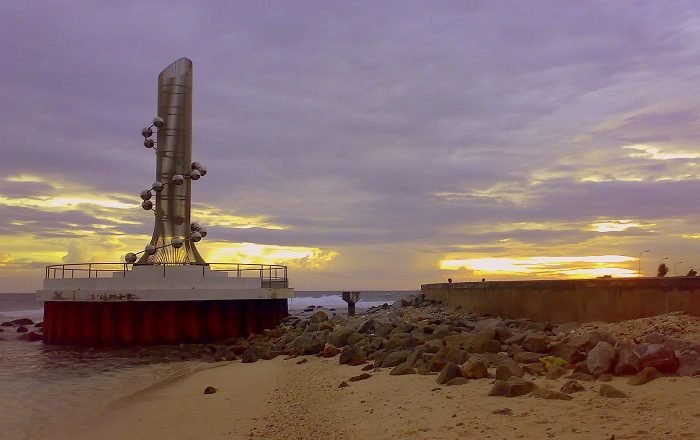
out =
column 675, row 269
column 640, row 261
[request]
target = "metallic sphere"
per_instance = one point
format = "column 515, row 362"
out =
column 158, row 121
column 196, row 165
column 157, row 186
column 146, row 132
column 130, row 258
column 146, row 194
column 147, row 205
column 149, row 143
column 195, row 174
column 178, row 179
column 177, row 242
column 194, row 226
column 150, row 249
column 203, row 231
column 203, row 170
column 196, row 236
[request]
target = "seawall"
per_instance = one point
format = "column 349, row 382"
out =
column 559, row 301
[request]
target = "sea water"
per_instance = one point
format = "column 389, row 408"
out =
column 41, row 385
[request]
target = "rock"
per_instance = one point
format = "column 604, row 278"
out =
column 308, row 344
column 600, row 358
column 354, row 338
column 543, row 393
column 536, row 343
column 457, row 381
column 489, row 323
column 571, row 386
column 31, row 337
column 302, row 361
column 402, row 370
column 395, row 358
column 343, row 384
column 474, row 369
column 688, row 363
column 368, row 367
column 330, row 351
column 581, row 376
column 366, row 326
column 22, row 329
column 527, row 357
column 503, row 372
column 587, row 341
column 607, row 390
column 448, row 373
column 23, row 321
column 436, row 364
column 646, row 375
column 352, row 356
column 359, row 377
column 318, row 317
column 659, row 357
column 554, row 372
column 7, row 324
column 515, row 338
column 564, row 328
column 569, row 352
column 627, row 358
column 339, row 338
column 249, row 356
column 512, row 387
column 534, row 369
column 605, row 377
column 210, row 390
column 503, row 411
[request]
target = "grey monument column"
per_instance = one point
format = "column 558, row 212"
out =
column 171, row 242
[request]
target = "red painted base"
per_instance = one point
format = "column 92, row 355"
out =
column 162, row 322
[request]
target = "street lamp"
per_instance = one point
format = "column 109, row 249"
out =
column 640, row 261
column 675, row 269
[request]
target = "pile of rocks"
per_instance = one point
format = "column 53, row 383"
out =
column 417, row 336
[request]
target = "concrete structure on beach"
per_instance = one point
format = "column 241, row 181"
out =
column 558, row 301
column 165, row 293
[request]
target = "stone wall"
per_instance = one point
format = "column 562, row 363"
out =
column 558, row 301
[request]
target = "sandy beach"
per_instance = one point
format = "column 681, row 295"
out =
column 280, row 399
column 315, row 397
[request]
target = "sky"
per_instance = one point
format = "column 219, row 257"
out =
column 366, row 145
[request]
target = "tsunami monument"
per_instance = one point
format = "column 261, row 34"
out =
column 165, row 293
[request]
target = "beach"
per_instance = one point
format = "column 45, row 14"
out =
column 280, row 399
column 336, row 394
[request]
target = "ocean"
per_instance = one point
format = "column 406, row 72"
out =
column 43, row 386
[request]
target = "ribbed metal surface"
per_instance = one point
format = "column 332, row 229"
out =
column 174, row 156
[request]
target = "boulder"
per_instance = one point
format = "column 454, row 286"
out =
column 23, row 321
column 356, row 338
column 22, row 329
column 543, row 393
column 7, row 324
column 534, row 368
column 607, row 390
column 600, row 358
column 395, row 358
column 554, row 372
column 588, row 340
column 318, row 317
column 452, row 354
column 569, row 352
column 645, row 376
column 562, row 329
column 457, row 381
column 659, row 357
column 352, row 356
column 448, row 373
column 515, row 338
column 249, row 356
column 382, row 329
column 503, row 372
column 367, row 326
column 402, row 370
column 571, row 386
column 31, row 337
column 339, row 338
column 436, row 364
column 605, row 377
column 489, row 323
column 330, row 351
column 577, row 375
column 308, row 344
column 536, row 343
column 688, row 363
column 527, row 357
column 512, row 387
column 474, row 369
column 627, row 358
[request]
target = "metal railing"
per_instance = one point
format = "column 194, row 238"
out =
column 270, row 275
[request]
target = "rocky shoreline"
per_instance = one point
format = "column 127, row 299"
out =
column 419, row 336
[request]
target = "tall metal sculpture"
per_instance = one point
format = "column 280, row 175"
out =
column 174, row 236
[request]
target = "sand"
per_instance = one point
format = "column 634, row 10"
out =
column 280, row 399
